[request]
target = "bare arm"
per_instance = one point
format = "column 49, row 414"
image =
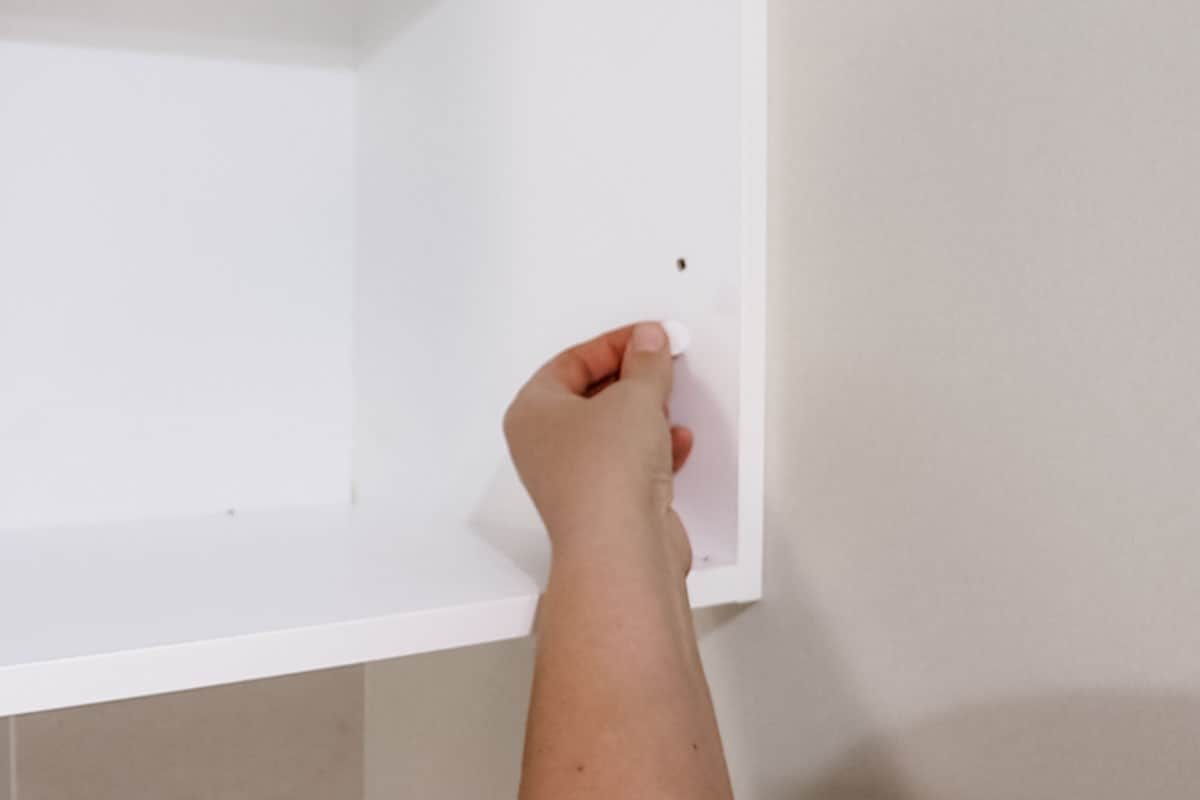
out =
column 620, row 708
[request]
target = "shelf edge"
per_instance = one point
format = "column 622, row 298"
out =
column 86, row 680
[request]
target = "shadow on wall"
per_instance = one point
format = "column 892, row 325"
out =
column 812, row 742
column 796, row 712
column 1100, row 745
column 312, row 32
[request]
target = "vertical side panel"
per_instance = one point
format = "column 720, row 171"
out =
column 531, row 173
column 752, row 425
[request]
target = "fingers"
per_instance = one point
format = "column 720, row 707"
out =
column 636, row 352
column 587, row 365
column 682, row 440
column 647, row 360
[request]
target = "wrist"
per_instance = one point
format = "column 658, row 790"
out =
column 635, row 546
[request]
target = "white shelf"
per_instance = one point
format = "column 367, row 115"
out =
column 110, row 612
column 102, row 613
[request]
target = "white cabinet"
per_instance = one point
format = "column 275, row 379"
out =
column 270, row 273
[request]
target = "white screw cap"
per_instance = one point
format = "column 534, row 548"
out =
column 679, row 336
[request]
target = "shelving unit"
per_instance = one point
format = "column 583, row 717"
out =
column 267, row 285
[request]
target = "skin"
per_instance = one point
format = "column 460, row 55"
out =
column 620, row 705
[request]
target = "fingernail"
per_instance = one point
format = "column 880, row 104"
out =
column 648, row 338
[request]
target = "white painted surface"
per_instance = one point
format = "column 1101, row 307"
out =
column 752, row 354
column 175, row 267
column 96, row 614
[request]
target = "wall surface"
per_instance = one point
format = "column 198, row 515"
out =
column 295, row 738
column 6, row 776
column 984, row 423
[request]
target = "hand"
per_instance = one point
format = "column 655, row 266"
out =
column 591, row 439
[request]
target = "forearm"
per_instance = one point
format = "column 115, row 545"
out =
column 621, row 707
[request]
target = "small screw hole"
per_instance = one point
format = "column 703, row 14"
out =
column 681, row 265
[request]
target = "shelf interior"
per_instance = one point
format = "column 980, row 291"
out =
column 150, row 584
column 287, row 255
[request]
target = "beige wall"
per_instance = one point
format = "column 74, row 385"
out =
column 296, row 738
column 983, row 571
column 984, row 575
column 5, row 759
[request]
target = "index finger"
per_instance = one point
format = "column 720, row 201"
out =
column 585, row 365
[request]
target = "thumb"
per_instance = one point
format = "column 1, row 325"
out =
column 647, row 359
